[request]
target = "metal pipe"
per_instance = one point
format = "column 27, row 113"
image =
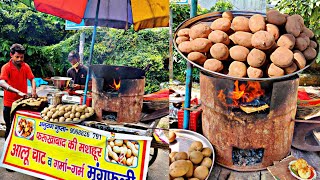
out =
column 91, row 53
column 186, row 114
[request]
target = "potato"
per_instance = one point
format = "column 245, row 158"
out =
column 313, row 44
column 201, row 45
column 301, row 44
column 310, row 53
column 61, row 119
column 254, row 72
column 242, row 39
column 55, row 115
column 256, row 58
column 181, row 39
column 218, row 36
column 282, row 57
column 178, row 168
column 274, row 30
column 56, row 120
column 51, row 120
column 195, row 146
column 193, row 179
column 213, row 65
column 172, row 136
column 275, row 71
column 308, row 32
column 46, row 118
column 291, row 69
column 201, row 172
column 206, row 162
column 75, row 119
column 184, row 32
column 227, row 15
column 257, row 23
column 61, row 113
column 72, row 115
column 49, row 114
column 87, row 115
column 181, row 156
column 275, row 17
column 287, row 41
column 179, row 178
column 68, row 108
column 185, row 47
column 306, row 38
column 222, row 24
column 201, row 30
column 77, row 115
column 262, row 40
column 299, row 59
column 239, row 53
column 171, row 156
column 83, row 117
column 207, row 152
column 190, row 172
column 240, row 23
column 197, row 57
column 219, row 51
column 196, row 157
column 293, row 26
column 67, row 115
column 237, row 69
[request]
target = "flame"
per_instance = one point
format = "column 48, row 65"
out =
column 243, row 93
column 116, row 86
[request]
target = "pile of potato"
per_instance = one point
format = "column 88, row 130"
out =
column 123, row 152
column 194, row 165
column 33, row 100
column 66, row 113
column 252, row 47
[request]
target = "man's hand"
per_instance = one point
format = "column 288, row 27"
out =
column 24, row 95
column 34, row 94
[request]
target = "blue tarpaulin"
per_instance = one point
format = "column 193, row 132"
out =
column 39, row 81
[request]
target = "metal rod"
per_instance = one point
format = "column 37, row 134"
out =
column 91, row 52
column 186, row 114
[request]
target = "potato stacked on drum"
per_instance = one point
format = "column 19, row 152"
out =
column 66, row 113
column 194, row 165
column 252, row 47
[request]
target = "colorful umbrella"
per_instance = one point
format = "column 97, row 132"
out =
column 118, row 14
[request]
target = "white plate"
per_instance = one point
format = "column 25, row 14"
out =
column 184, row 139
column 298, row 177
column 20, row 134
column 79, row 91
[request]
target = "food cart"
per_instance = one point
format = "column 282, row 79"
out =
column 54, row 140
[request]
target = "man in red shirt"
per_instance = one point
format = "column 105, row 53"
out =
column 13, row 80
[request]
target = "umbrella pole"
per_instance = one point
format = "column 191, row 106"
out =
column 91, row 53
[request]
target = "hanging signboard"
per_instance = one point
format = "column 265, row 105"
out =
column 60, row 151
column 179, row 1
column 74, row 26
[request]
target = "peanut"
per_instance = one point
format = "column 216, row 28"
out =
column 118, row 142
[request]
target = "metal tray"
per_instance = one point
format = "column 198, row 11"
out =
column 185, row 138
column 209, row 18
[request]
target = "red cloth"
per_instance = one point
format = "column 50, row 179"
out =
column 67, row 9
column 15, row 78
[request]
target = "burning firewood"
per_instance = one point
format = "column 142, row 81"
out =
column 251, row 109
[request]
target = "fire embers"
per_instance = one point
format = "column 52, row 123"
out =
column 248, row 96
column 115, row 86
column 123, row 152
column 247, row 157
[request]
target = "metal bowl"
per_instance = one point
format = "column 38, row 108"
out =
column 61, row 82
column 208, row 19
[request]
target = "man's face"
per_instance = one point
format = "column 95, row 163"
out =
column 17, row 58
column 74, row 63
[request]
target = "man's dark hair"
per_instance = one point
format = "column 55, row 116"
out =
column 73, row 55
column 17, row 48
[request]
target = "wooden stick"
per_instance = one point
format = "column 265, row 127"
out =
column 307, row 121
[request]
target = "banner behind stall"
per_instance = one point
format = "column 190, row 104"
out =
column 57, row 151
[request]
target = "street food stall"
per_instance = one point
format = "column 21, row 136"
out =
column 248, row 65
column 83, row 141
